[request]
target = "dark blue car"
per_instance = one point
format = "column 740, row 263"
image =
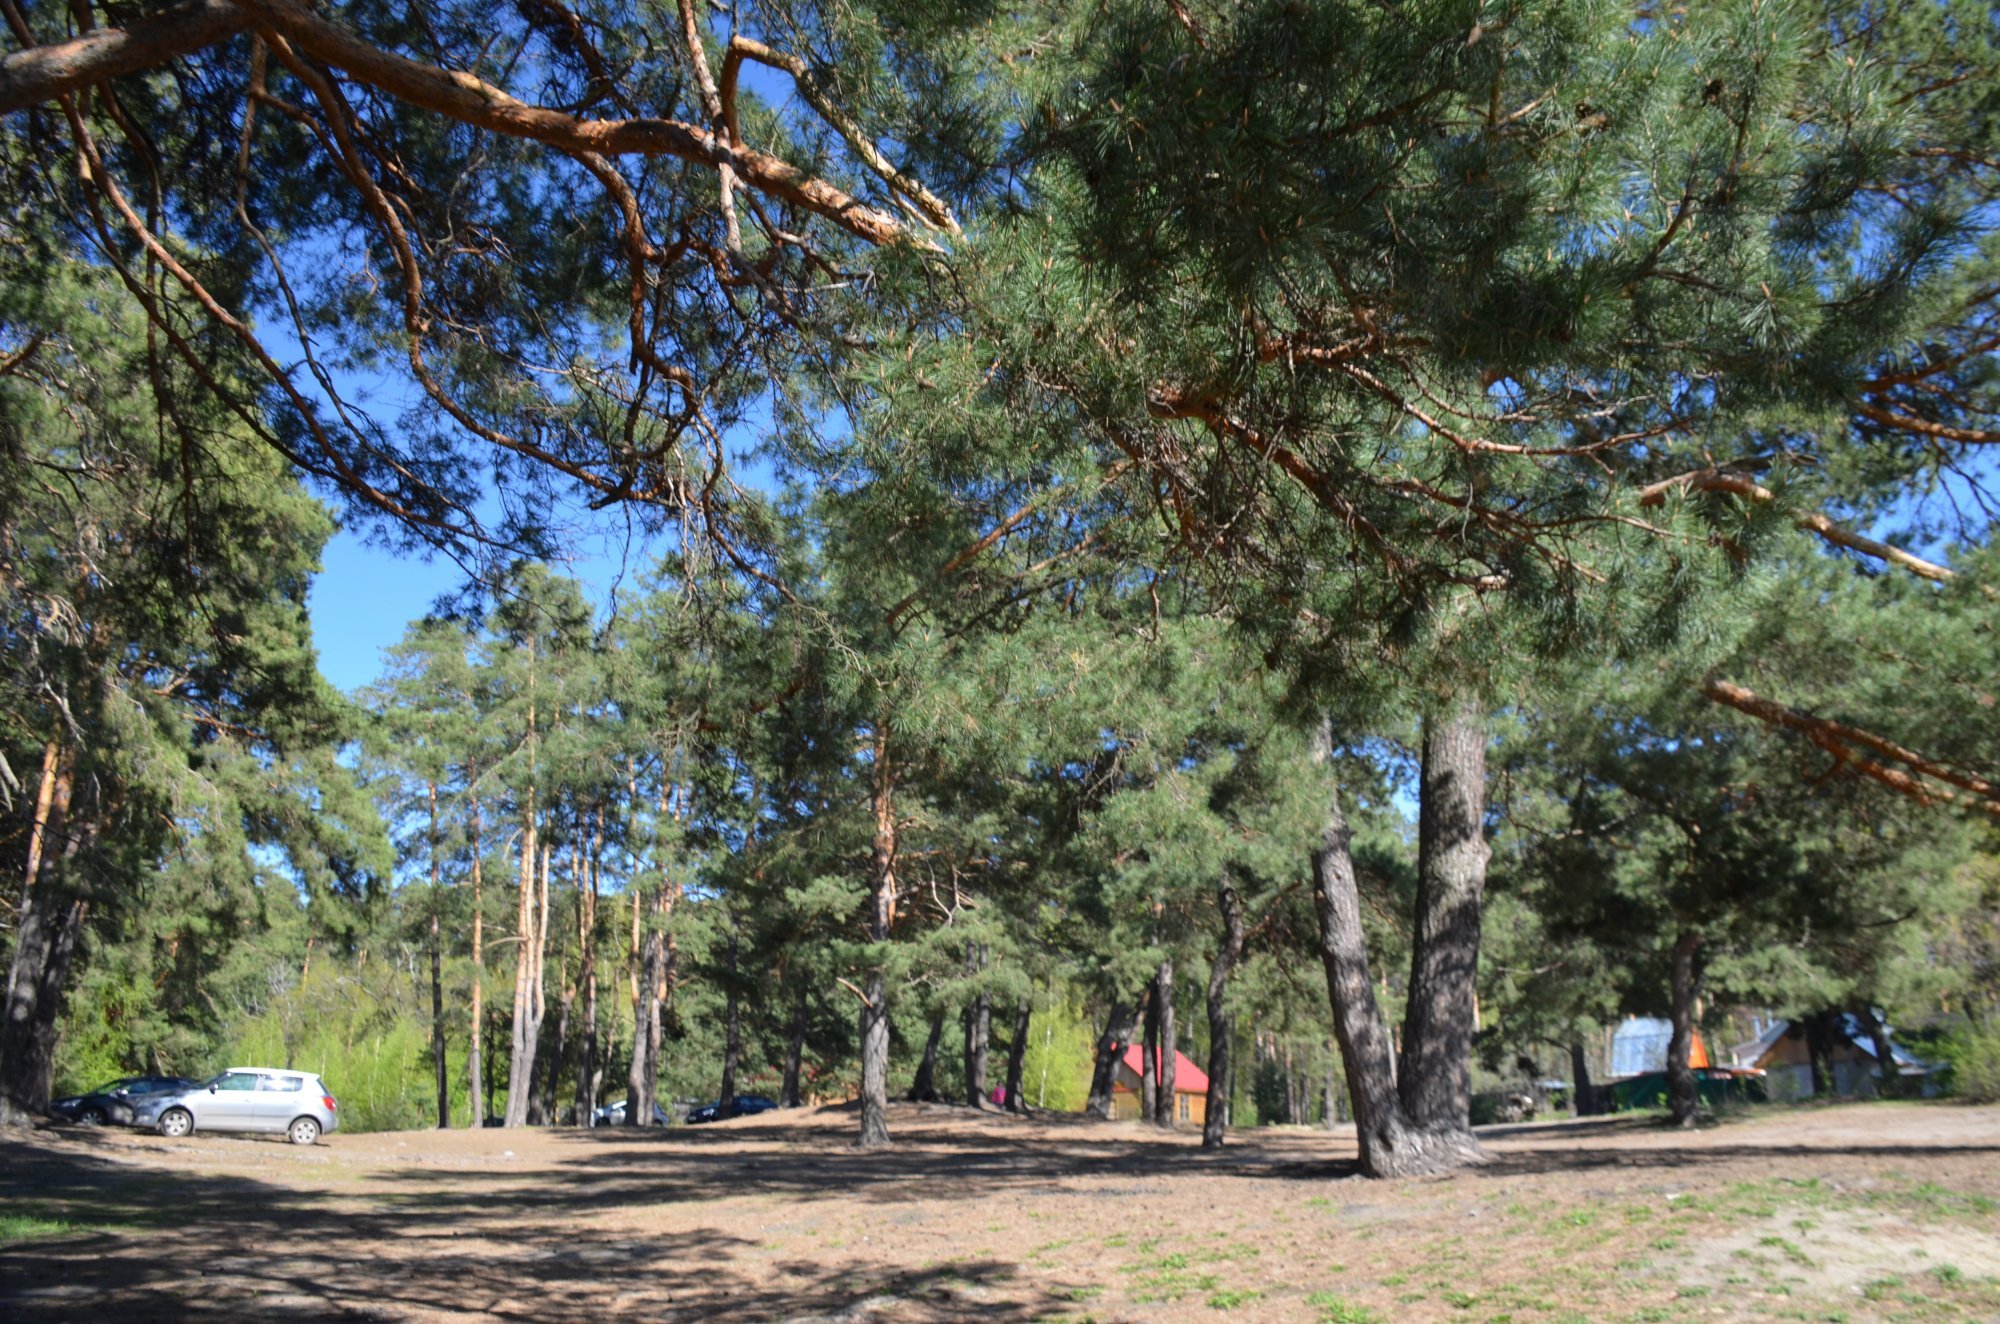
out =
column 116, row 1100
column 740, row 1106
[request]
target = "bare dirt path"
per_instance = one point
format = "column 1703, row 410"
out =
column 1858, row 1212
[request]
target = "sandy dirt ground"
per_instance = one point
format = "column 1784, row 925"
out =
column 1855, row 1212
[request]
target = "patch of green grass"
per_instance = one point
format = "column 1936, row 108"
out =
column 1396, row 1280
column 1229, row 1299
column 30, row 1227
column 1788, row 1249
column 1336, row 1309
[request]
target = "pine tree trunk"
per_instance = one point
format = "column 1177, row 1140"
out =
column 1229, row 902
column 438, row 1067
column 978, row 1031
column 924, row 1088
column 46, row 929
column 1017, row 1057
column 1329, row 1096
column 1682, row 1095
column 1434, row 1079
column 732, row 1025
column 475, row 1056
column 881, row 925
column 1579, row 1067
column 589, row 1071
column 1819, row 1049
column 1111, row 1046
column 790, row 1095
column 1389, row 1145
column 1149, row 1056
column 1167, row 1101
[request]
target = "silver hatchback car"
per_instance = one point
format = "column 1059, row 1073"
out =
column 294, row 1103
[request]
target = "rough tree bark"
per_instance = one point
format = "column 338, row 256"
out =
column 1229, row 902
column 1434, row 1079
column 1682, row 1095
column 46, row 929
column 1579, row 1067
column 881, row 924
column 978, row 1030
column 1017, row 1057
column 1111, row 1046
column 1166, row 1101
column 1390, row 1145
column 923, row 1089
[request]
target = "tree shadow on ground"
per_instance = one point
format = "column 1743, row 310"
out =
column 157, row 1246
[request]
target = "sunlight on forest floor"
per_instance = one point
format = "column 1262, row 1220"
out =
column 1855, row 1212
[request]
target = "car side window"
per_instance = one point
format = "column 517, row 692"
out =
column 281, row 1084
column 237, row 1080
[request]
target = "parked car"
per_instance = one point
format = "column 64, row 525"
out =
column 613, row 1114
column 741, row 1106
column 295, row 1104
column 115, row 1101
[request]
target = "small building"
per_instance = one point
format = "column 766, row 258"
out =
column 1190, row 1087
column 1639, row 1047
column 1784, row 1054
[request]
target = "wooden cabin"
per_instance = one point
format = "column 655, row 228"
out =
column 1190, row 1087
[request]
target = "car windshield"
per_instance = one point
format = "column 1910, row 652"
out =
column 115, row 1085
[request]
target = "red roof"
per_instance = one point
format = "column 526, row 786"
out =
column 1188, row 1078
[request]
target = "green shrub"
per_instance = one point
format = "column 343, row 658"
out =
column 1973, row 1052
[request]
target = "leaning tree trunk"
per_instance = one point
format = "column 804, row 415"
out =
column 1215, row 1121
column 924, row 1088
column 1017, row 1057
column 1390, row 1145
column 789, row 1095
column 1167, row 1101
column 978, row 1031
column 1682, row 1095
column 1434, row 1080
column 881, row 925
column 1111, row 1046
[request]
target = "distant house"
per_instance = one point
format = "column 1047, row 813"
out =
column 1783, row 1053
column 1639, row 1047
column 1190, row 1087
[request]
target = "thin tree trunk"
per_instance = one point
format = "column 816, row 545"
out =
column 1389, row 1145
column 1221, row 1071
column 1330, row 1093
column 1017, row 1057
column 978, row 1030
column 732, row 1024
column 1111, row 1046
column 528, row 950
column 475, row 1061
column 588, row 1070
column 790, row 1095
column 1435, row 1077
column 924, row 1088
column 1168, row 1101
column 881, row 924
column 437, row 972
column 1820, row 1040
column 1149, row 1056
column 1682, row 1095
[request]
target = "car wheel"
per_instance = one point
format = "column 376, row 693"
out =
column 176, row 1122
column 304, row 1131
column 91, row 1117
